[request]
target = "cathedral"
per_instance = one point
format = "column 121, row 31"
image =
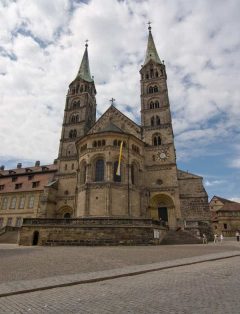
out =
column 115, row 169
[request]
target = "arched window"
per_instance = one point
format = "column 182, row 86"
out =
column 151, row 73
column 132, row 174
column 83, row 172
column 71, row 134
column 151, row 105
column 78, row 104
column 150, row 90
column 157, row 140
column 155, row 89
column 115, row 143
column 74, row 133
column 94, row 144
column 103, row 142
column 156, row 104
column 77, row 118
column 147, row 76
column 156, row 74
column 157, row 120
column 99, row 170
column 152, row 121
column 74, row 105
column 116, row 178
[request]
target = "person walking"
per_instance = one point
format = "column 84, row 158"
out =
column 237, row 235
column 215, row 238
column 221, row 237
column 204, row 237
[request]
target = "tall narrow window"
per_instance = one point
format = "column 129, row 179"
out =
column 31, row 202
column 5, row 203
column 132, row 174
column 116, row 178
column 152, row 121
column 99, row 170
column 22, row 202
column 157, row 120
column 13, row 203
column 157, row 140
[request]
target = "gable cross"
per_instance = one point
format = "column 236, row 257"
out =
column 112, row 101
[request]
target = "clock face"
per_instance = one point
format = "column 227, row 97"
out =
column 162, row 155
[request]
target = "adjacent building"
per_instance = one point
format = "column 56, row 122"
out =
column 225, row 215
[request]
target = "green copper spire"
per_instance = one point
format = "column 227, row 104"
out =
column 84, row 70
column 151, row 53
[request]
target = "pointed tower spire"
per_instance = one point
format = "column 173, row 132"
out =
column 84, row 70
column 151, row 53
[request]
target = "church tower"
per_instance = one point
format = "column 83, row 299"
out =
column 158, row 136
column 79, row 117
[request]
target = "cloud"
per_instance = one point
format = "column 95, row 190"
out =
column 42, row 43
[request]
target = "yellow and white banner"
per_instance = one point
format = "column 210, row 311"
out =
column 118, row 173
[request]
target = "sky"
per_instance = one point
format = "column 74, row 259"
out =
column 41, row 47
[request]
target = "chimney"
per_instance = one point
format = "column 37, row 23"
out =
column 2, row 167
column 37, row 163
column 19, row 165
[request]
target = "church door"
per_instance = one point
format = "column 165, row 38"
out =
column 35, row 238
column 163, row 213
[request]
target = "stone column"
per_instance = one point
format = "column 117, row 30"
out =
column 88, row 173
column 109, row 171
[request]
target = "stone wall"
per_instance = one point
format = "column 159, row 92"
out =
column 108, row 233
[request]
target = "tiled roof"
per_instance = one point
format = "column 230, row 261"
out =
column 230, row 206
column 25, row 177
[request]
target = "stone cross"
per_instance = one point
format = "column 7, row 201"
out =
column 112, row 101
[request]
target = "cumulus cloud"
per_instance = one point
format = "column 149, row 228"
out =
column 42, row 43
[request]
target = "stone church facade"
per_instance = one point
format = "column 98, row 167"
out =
column 150, row 186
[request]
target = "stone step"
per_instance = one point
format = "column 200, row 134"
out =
column 180, row 237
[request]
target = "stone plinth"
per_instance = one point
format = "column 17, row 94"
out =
column 91, row 231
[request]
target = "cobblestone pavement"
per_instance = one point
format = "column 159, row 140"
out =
column 27, row 263
column 210, row 287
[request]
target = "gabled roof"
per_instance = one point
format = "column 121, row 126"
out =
column 221, row 199
column 187, row 175
column 109, row 122
column 230, row 206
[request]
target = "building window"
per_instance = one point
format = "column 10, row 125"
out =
column 99, row 170
column 14, row 179
column 18, row 186
column 73, row 133
column 157, row 120
column 31, row 202
column 18, row 222
column 83, row 148
column 99, row 143
column 132, row 174
column 1, row 222
column 118, row 143
column 5, row 203
column 225, row 226
column 9, row 221
column 135, row 148
column 65, row 167
column 72, row 166
column 35, row 184
column 22, row 202
column 2, row 187
column 155, row 89
column 13, row 203
column 152, row 121
column 157, row 140
column 30, row 177
column 116, row 178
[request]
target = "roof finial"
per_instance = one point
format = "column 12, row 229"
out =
column 86, row 41
column 149, row 26
column 112, row 100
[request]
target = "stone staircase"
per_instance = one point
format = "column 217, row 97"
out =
column 180, row 237
column 9, row 235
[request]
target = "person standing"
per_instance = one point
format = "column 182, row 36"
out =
column 215, row 238
column 237, row 235
column 204, row 237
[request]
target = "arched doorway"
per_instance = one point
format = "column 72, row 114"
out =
column 65, row 212
column 35, row 238
column 67, row 215
column 162, row 208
